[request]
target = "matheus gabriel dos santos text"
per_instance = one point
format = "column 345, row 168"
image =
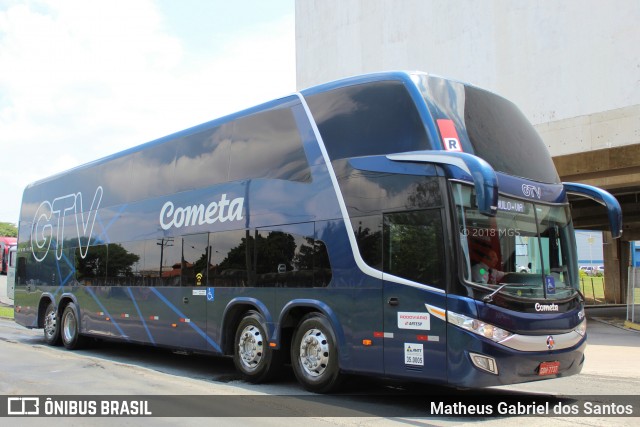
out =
column 533, row 408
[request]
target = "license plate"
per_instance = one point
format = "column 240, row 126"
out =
column 548, row 368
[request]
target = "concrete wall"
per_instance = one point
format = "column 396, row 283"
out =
column 572, row 66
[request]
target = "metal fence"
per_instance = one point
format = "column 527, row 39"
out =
column 592, row 288
column 633, row 295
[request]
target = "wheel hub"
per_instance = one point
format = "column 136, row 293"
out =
column 50, row 323
column 250, row 346
column 314, row 352
column 69, row 327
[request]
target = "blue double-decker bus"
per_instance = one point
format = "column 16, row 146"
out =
column 399, row 225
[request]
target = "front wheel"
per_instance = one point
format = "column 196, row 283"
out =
column 71, row 338
column 51, row 325
column 314, row 355
column 252, row 356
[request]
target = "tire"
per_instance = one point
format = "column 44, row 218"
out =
column 252, row 356
column 51, row 325
column 70, row 328
column 314, row 355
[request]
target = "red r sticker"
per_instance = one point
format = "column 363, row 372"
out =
column 450, row 139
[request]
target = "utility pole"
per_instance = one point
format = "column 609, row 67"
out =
column 163, row 243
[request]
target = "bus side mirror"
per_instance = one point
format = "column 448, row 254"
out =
column 614, row 211
column 484, row 177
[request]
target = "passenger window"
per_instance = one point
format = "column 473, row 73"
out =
column 128, row 268
column 195, row 259
column 124, row 264
column 161, row 258
column 414, row 248
column 231, row 259
column 153, row 171
column 268, row 145
column 91, row 270
column 285, row 256
column 203, row 158
column 365, row 120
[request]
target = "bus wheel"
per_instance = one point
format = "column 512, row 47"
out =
column 314, row 356
column 253, row 357
column 51, row 325
column 70, row 331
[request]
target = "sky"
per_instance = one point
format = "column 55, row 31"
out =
column 80, row 80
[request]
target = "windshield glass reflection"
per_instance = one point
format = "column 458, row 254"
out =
column 528, row 248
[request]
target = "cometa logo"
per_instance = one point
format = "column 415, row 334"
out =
column 221, row 211
column 546, row 307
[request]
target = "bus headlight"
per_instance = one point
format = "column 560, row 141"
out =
column 478, row 327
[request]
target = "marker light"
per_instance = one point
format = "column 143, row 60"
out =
column 483, row 329
column 484, row 363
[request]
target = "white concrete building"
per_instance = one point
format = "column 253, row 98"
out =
column 572, row 66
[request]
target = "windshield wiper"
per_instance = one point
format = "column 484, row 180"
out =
column 489, row 298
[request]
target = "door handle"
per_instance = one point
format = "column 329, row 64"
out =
column 393, row 301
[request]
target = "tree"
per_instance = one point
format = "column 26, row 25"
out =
column 8, row 230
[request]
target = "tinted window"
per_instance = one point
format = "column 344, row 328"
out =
column 128, row 267
column 144, row 263
column 369, row 192
column 195, row 259
column 368, row 119
column 116, row 182
column 122, row 265
column 203, row 159
column 268, row 145
column 153, row 171
column 91, row 270
column 413, row 246
column 285, row 256
column 502, row 135
column 231, row 258
column 161, row 261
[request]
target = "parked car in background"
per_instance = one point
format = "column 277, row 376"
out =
column 593, row 270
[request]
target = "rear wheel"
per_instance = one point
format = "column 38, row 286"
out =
column 314, row 355
column 51, row 325
column 253, row 357
column 70, row 331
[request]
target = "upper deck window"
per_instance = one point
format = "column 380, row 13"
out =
column 503, row 136
column 490, row 127
column 368, row 119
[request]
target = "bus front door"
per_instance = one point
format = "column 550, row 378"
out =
column 414, row 327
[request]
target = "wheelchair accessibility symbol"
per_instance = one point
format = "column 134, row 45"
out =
column 210, row 294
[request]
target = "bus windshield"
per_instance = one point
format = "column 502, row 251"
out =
column 527, row 249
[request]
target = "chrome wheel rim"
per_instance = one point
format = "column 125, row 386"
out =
column 314, row 352
column 250, row 347
column 69, row 327
column 50, row 324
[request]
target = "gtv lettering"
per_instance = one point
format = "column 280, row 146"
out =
column 49, row 223
column 531, row 190
column 222, row 211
